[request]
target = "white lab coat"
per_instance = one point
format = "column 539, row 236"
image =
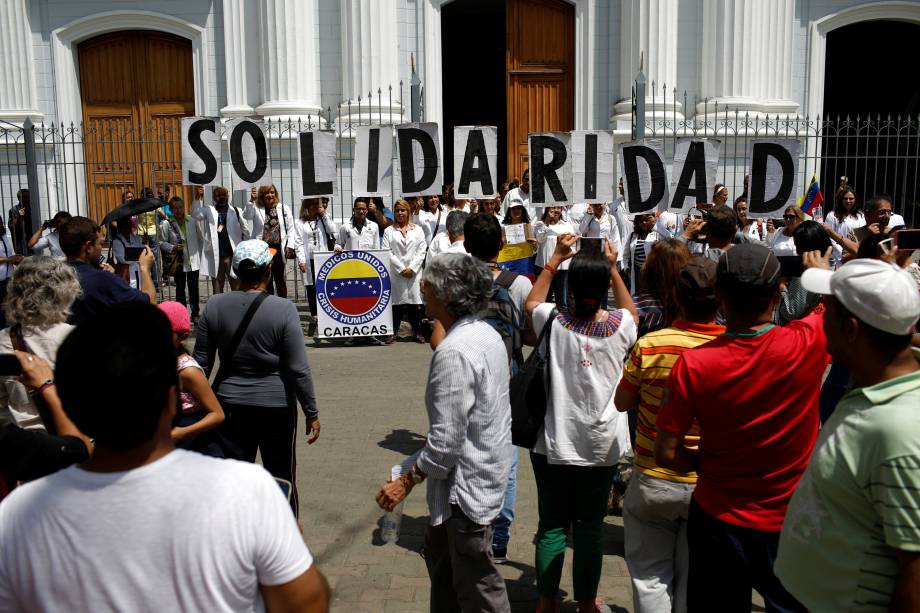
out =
column 307, row 238
column 255, row 215
column 547, row 237
column 630, row 248
column 406, row 252
column 350, row 239
column 168, row 237
column 206, row 217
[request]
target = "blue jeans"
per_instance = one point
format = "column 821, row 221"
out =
column 727, row 562
column 502, row 524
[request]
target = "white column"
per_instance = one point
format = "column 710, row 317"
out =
column 290, row 59
column 648, row 28
column 18, row 93
column 747, row 57
column 370, row 62
column 235, row 63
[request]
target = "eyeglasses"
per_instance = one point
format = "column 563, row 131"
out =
column 884, row 212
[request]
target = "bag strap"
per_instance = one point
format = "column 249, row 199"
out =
column 223, row 371
column 505, row 279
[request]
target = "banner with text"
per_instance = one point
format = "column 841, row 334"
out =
column 353, row 294
column 475, row 161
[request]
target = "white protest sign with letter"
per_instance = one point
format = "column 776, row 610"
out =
column 353, row 294
column 248, row 146
column 373, row 167
column 774, row 163
column 642, row 168
column 200, row 151
column 419, row 150
column 550, row 168
column 592, row 166
column 475, row 161
column 693, row 173
column 317, row 163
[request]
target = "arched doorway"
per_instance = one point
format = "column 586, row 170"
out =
column 510, row 64
column 865, row 83
column 135, row 87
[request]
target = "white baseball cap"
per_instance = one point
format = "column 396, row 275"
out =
column 877, row 293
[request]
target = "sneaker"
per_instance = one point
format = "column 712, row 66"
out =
column 500, row 556
column 376, row 340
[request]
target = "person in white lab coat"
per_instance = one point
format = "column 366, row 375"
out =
column 359, row 232
column 311, row 234
column 181, row 235
column 407, row 253
column 220, row 231
column 271, row 221
column 547, row 232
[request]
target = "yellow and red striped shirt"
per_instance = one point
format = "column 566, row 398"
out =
column 646, row 373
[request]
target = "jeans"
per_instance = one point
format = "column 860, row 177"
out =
column 655, row 513
column 502, row 524
column 191, row 279
column 223, row 274
column 727, row 562
column 463, row 575
column 570, row 498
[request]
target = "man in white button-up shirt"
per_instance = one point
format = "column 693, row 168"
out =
column 468, row 452
column 359, row 232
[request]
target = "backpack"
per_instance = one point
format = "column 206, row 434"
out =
column 502, row 315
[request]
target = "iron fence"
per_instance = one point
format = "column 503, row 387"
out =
column 877, row 154
column 86, row 168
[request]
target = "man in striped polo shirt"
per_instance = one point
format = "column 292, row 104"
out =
column 658, row 499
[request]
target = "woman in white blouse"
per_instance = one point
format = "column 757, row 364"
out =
column 432, row 217
column 407, row 253
column 844, row 219
column 782, row 243
column 46, row 237
column 272, row 222
column 547, row 232
column 311, row 234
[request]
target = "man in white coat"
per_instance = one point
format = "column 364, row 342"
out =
column 359, row 232
column 220, row 230
column 180, row 237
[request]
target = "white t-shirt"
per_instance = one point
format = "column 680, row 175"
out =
column 185, row 533
column 782, row 244
column 582, row 426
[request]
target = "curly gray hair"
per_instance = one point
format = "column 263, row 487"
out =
column 40, row 293
column 461, row 283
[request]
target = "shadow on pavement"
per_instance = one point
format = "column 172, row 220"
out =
column 403, row 441
column 411, row 533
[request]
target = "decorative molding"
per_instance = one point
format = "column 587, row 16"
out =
column 66, row 64
column 18, row 92
column 817, row 40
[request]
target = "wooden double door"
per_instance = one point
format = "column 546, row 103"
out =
column 135, row 88
column 540, row 64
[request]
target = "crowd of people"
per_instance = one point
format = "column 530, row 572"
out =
column 758, row 375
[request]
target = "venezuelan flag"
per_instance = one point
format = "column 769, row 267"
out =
column 813, row 197
column 353, row 287
column 517, row 258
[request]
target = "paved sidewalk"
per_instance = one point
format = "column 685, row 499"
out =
column 371, row 402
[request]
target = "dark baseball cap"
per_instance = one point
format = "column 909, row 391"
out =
column 697, row 279
column 748, row 265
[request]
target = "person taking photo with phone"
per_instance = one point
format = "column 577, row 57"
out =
column 81, row 242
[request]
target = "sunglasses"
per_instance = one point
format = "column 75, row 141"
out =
column 789, row 217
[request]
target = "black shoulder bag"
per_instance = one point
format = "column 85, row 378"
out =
column 529, row 391
column 224, row 369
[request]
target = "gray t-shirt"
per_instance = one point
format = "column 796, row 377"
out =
column 270, row 366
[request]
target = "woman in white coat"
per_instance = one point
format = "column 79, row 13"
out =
column 312, row 233
column 272, row 222
column 547, row 232
column 407, row 253
column 220, row 230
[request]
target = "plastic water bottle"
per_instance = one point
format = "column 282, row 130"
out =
column 389, row 531
column 818, row 213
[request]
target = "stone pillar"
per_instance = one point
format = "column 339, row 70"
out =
column 290, row 59
column 370, row 63
column 18, row 93
column 235, row 63
column 648, row 28
column 747, row 57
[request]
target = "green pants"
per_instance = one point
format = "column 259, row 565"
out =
column 573, row 496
